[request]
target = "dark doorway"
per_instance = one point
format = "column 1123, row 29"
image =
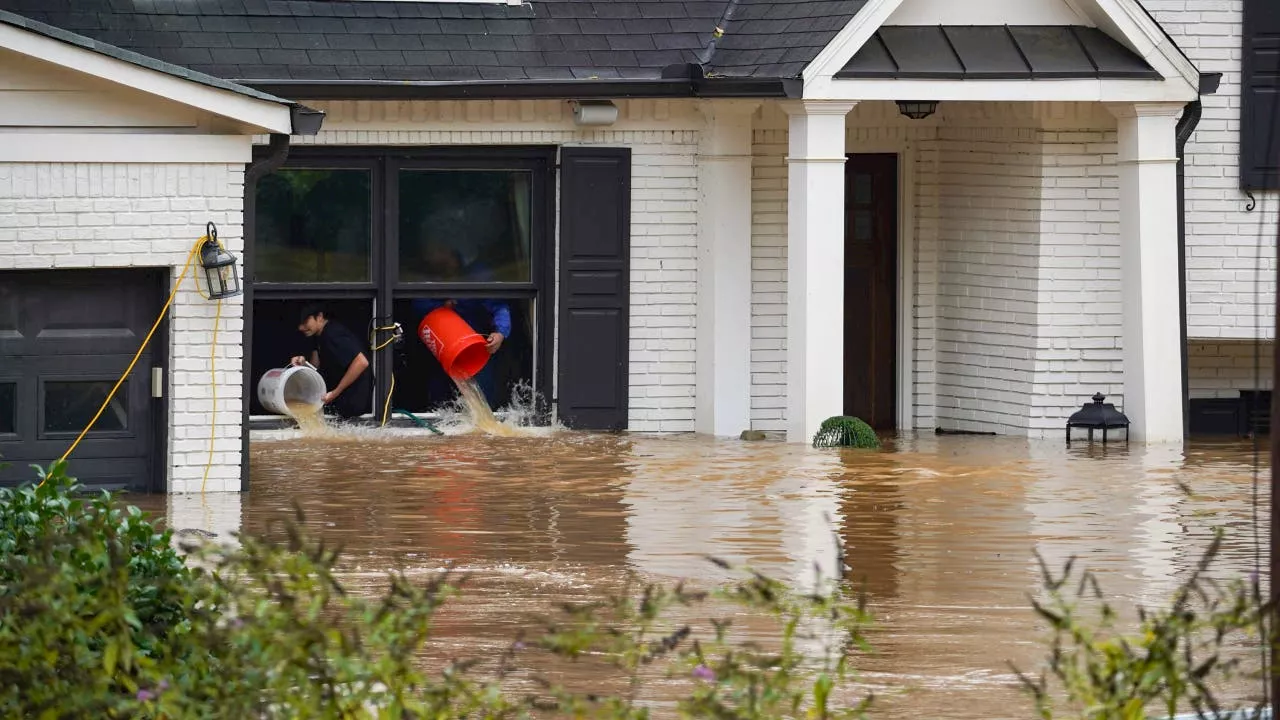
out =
column 871, row 288
column 65, row 338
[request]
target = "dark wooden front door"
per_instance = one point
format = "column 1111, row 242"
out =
column 871, row 288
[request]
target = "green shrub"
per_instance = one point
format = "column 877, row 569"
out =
column 846, row 432
column 90, row 595
column 1170, row 663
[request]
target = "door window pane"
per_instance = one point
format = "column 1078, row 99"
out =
column 313, row 225
column 465, row 225
column 8, row 408
column 69, row 406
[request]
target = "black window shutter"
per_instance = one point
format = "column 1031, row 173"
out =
column 595, row 251
column 1260, row 97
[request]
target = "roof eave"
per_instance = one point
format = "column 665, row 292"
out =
column 673, row 88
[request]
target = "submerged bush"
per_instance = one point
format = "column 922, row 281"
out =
column 846, row 432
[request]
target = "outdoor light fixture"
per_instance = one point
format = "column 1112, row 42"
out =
column 1098, row 415
column 220, row 274
column 917, row 109
column 595, row 112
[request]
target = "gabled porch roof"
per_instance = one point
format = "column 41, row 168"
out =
column 1118, row 53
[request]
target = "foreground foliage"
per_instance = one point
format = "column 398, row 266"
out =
column 1171, row 663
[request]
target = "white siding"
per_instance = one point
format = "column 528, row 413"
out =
column 55, row 216
column 1222, row 238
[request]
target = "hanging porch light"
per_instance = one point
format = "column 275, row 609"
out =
column 917, row 109
column 220, row 274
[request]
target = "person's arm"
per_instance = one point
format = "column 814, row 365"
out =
column 357, row 366
column 501, row 324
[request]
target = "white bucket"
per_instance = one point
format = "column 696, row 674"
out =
column 300, row 385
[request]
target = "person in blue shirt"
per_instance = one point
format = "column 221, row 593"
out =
column 490, row 318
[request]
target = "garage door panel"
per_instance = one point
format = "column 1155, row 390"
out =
column 70, row 337
column 74, row 313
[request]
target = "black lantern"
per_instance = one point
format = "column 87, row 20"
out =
column 917, row 109
column 1098, row 415
column 220, row 274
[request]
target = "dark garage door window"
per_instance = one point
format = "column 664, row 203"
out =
column 70, row 405
column 8, row 408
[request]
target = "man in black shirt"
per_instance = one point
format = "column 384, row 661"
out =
column 342, row 363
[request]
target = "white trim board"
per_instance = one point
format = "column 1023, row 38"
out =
column 133, row 148
column 1124, row 20
column 1104, row 91
column 259, row 115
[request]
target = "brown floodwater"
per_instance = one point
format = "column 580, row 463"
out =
column 941, row 531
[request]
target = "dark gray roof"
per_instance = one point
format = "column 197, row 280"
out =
column 270, row 42
column 995, row 53
column 102, row 48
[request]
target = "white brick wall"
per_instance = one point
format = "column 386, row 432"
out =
column 117, row 215
column 1079, row 341
column 989, row 194
column 664, row 139
column 1222, row 238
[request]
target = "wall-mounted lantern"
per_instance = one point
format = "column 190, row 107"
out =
column 917, row 109
column 1098, row 415
column 220, row 273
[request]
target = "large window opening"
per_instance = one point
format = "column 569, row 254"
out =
column 382, row 236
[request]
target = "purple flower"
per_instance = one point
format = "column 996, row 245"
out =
column 163, row 685
column 517, row 646
column 702, row 672
column 1253, row 578
column 146, row 696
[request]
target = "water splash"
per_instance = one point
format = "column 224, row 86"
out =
column 523, row 416
column 310, row 419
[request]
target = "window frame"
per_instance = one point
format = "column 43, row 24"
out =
column 385, row 290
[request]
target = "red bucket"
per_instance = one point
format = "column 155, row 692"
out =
column 460, row 349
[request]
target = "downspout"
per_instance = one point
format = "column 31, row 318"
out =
column 1186, row 126
column 278, row 152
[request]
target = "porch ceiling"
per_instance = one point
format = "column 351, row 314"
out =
column 995, row 53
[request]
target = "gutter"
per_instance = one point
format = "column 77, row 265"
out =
column 1186, row 127
column 302, row 121
column 676, row 81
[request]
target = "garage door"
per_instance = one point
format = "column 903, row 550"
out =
column 65, row 337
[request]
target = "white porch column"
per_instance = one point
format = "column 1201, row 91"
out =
column 723, row 404
column 1147, row 159
column 815, row 264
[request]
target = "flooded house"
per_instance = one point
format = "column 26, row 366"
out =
column 705, row 216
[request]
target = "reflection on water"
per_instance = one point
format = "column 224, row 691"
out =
column 940, row 531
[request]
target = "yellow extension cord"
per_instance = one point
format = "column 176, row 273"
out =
column 386, row 408
column 213, row 351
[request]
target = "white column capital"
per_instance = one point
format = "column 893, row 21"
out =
column 1145, row 109
column 818, row 107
